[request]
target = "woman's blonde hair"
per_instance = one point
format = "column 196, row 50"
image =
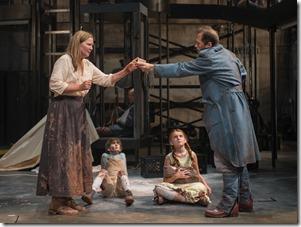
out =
column 73, row 47
column 186, row 145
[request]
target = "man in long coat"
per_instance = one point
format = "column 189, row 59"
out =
column 226, row 116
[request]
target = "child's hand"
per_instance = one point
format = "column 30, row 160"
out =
column 209, row 190
column 169, row 171
column 102, row 173
column 182, row 173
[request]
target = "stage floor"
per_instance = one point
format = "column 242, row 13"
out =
column 275, row 194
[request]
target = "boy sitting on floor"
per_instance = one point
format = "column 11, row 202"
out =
column 112, row 180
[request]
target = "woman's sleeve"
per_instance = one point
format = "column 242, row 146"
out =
column 100, row 78
column 57, row 82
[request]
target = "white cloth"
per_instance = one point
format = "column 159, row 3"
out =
column 125, row 182
column 97, row 183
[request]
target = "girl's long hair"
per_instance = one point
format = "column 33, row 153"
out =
column 186, row 145
column 73, row 48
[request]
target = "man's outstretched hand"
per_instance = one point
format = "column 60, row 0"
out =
column 143, row 65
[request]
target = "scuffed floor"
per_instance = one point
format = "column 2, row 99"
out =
column 275, row 199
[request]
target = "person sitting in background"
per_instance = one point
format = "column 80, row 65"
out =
column 112, row 180
column 251, row 3
column 124, row 124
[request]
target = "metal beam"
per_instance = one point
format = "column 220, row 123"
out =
column 114, row 8
column 75, row 15
column 15, row 12
column 282, row 14
column 264, row 18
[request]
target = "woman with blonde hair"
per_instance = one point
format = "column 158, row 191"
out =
column 66, row 160
column 182, row 181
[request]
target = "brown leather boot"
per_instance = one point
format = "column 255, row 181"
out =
column 129, row 199
column 219, row 213
column 246, row 207
column 57, row 207
column 71, row 203
column 88, row 198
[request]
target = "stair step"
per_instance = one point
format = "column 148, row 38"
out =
column 54, row 53
column 58, row 32
column 57, row 10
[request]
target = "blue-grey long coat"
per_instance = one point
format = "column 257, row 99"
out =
column 226, row 112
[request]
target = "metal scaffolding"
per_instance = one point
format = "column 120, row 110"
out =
column 134, row 17
column 46, row 30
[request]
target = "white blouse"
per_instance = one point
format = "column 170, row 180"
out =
column 63, row 74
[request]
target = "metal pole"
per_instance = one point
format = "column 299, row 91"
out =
column 232, row 37
column 160, row 83
column 255, row 77
column 255, row 64
column 101, row 66
column 74, row 15
column 34, row 59
column 167, row 80
column 228, row 27
column 273, row 85
column 250, row 61
column 146, row 88
column 136, row 51
column 38, row 57
column 244, row 54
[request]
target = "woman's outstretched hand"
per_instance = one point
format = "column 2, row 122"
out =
column 138, row 63
column 132, row 66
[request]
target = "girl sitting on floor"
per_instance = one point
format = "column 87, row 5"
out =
column 182, row 181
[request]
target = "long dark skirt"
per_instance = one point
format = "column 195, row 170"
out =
column 66, row 159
